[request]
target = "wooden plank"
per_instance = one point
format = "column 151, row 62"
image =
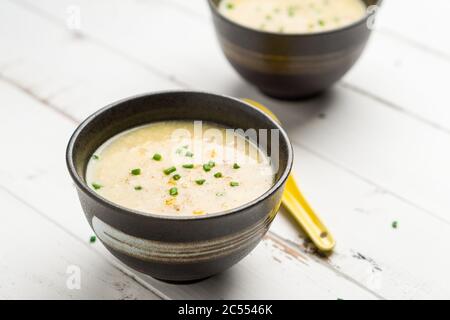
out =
column 425, row 26
column 39, row 179
column 403, row 284
column 383, row 162
column 397, row 68
column 38, row 260
column 369, row 250
column 306, row 277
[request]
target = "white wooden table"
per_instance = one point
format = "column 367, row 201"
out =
column 374, row 150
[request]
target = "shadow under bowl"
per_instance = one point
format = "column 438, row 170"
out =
column 176, row 248
column 292, row 66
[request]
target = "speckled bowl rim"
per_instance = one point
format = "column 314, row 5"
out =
column 88, row 191
column 293, row 35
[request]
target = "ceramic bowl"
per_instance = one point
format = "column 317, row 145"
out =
column 292, row 66
column 176, row 248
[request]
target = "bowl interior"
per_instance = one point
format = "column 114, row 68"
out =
column 166, row 106
column 215, row 4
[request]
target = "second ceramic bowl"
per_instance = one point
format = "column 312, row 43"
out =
column 292, row 66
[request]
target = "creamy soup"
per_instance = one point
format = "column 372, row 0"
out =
column 293, row 16
column 178, row 168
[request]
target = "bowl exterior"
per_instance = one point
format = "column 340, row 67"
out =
column 290, row 66
column 180, row 250
column 175, row 249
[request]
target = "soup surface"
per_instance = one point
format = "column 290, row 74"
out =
column 180, row 168
column 293, row 16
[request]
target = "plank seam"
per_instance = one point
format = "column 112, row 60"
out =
column 393, row 106
column 275, row 237
column 121, row 269
column 414, row 43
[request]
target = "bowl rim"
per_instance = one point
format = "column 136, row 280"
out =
column 124, row 210
column 293, row 35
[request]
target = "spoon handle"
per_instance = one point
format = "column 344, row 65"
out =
column 299, row 208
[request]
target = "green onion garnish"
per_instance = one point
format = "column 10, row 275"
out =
column 173, row 192
column 92, row 239
column 395, row 224
column 236, row 166
column 95, row 157
column 157, row 157
column 321, row 23
column 230, row 6
column 234, row 184
column 189, row 154
column 208, row 166
column 291, row 11
column 136, row 172
column 176, row 177
column 138, row 188
column 200, row 182
column 169, row 170
column 97, row 186
column 188, row 166
column 218, row 175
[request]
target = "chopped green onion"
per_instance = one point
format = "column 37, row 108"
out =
column 176, row 177
column 234, row 184
column 97, row 186
column 200, row 182
column 169, row 170
column 173, row 192
column 189, row 154
column 138, row 188
column 395, row 224
column 188, row 166
column 236, row 166
column 136, row 172
column 92, row 239
column 291, row 11
column 95, row 157
column 230, row 6
column 157, row 157
column 218, row 175
column 321, row 23
column 208, row 166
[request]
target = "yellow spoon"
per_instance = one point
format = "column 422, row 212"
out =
column 296, row 204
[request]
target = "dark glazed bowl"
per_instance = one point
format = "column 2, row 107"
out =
column 291, row 66
column 172, row 248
